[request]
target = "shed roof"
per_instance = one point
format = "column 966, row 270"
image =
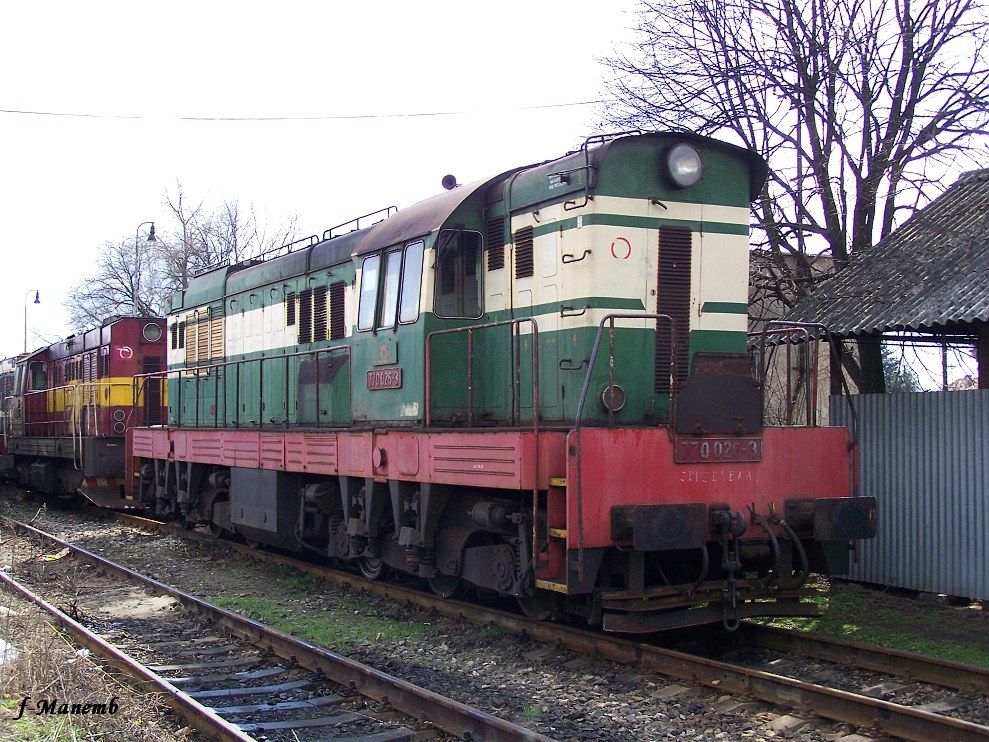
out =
column 930, row 272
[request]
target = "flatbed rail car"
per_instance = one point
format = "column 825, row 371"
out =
column 66, row 407
column 537, row 384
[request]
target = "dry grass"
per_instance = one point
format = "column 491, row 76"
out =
column 48, row 666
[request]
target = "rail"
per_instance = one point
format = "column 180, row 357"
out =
column 516, row 367
column 810, row 334
column 892, row 718
column 213, row 370
column 610, row 320
column 70, row 408
column 199, row 717
column 387, row 211
column 809, row 359
column 590, row 172
column 516, row 325
column 454, row 717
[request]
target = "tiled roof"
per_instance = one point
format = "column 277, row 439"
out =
column 933, row 270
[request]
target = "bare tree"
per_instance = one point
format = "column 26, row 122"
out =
column 234, row 233
column 111, row 289
column 179, row 250
column 858, row 106
column 196, row 239
column 228, row 234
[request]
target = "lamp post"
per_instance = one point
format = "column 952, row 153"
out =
column 136, row 284
column 37, row 300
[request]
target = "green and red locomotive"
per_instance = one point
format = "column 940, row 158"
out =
column 537, row 384
column 66, row 407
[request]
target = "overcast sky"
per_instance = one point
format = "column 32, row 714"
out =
column 68, row 184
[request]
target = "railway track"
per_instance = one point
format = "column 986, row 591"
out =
column 233, row 678
column 789, row 692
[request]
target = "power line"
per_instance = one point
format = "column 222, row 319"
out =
column 341, row 117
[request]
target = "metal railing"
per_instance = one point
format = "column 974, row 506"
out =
column 215, row 371
column 516, row 367
column 387, row 211
column 60, row 410
column 609, row 319
column 808, row 335
column 516, row 325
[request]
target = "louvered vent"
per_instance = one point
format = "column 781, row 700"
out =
column 175, row 336
column 152, row 391
column 320, row 318
column 523, row 253
column 202, row 338
column 181, row 335
column 674, row 300
column 190, row 336
column 290, row 309
column 495, row 239
column 338, row 326
column 305, row 316
column 216, row 338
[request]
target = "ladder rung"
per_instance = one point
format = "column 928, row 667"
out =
column 558, row 482
column 558, row 532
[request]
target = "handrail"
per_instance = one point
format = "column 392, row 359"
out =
column 388, row 211
column 786, row 333
column 587, row 167
column 516, row 325
column 816, row 330
column 516, row 367
column 610, row 319
column 139, row 384
column 73, row 395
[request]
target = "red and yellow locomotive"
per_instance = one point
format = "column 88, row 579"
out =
column 66, row 408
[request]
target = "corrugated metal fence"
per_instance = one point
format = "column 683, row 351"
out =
column 925, row 458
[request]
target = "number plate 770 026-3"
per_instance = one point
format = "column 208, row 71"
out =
column 715, row 450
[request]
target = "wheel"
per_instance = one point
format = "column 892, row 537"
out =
column 538, row 607
column 446, row 586
column 370, row 567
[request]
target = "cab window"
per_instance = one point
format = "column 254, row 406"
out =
column 39, row 379
column 369, row 292
column 458, row 259
column 411, row 283
column 389, row 294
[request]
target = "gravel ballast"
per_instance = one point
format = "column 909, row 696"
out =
column 554, row 691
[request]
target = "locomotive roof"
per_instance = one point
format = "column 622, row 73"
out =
column 528, row 185
column 415, row 221
column 82, row 341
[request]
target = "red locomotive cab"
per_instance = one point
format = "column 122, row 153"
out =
column 135, row 348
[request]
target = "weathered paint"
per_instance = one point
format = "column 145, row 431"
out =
column 632, row 466
column 504, row 460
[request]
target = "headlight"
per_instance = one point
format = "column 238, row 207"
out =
column 683, row 163
column 151, row 332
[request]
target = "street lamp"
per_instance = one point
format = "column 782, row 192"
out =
column 137, row 261
column 37, row 300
